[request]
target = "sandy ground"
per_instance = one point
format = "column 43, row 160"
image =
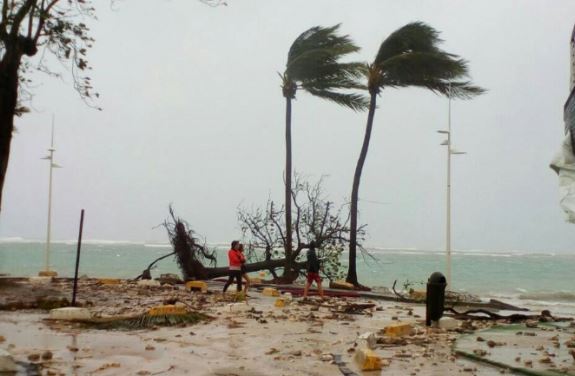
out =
column 253, row 338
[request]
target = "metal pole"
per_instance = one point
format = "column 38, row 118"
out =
column 48, row 227
column 448, row 214
column 75, row 289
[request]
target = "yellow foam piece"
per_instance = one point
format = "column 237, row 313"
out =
column 270, row 291
column 280, row 303
column 367, row 360
column 168, row 309
column 398, row 330
column 197, row 285
column 109, row 281
column 47, row 273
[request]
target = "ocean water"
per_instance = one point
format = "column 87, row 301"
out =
column 535, row 279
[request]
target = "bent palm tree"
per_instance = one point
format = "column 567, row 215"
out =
column 313, row 65
column 408, row 57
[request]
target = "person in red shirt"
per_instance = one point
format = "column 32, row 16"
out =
column 235, row 259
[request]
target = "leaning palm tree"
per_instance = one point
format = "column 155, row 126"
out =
column 410, row 56
column 314, row 66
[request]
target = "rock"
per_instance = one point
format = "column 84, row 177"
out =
column 531, row 324
column 2, row 339
column 109, row 281
column 7, row 363
column 150, row 348
column 70, row 313
column 296, row 353
column 545, row 360
column 326, row 357
column 492, row 344
column 367, row 340
column 271, row 351
column 480, row 339
column 480, row 352
column 570, row 344
column 398, row 330
column 34, row 357
column 280, row 303
column 572, row 352
column 47, row 355
column 367, row 360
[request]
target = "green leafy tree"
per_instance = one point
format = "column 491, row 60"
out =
column 49, row 29
column 410, row 56
column 314, row 65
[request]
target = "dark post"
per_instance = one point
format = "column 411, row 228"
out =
column 435, row 298
column 78, row 259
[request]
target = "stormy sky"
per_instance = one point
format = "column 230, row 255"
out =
column 193, row 115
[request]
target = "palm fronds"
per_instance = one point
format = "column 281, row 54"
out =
column 314, row 65
column 411, row 56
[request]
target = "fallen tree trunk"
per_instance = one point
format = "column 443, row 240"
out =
column 253, row 267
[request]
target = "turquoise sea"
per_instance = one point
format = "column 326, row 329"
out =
column 536, row 279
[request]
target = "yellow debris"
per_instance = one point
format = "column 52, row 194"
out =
column 109, row 281
column 47, row 273
column 255, row 281
column 197, row 285
column 367, row 360
column 168, row 309
column 270, row 291
column 280, row 303
column 398, row 330
column 417, row 294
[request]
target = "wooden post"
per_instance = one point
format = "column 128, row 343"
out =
column 75, row 289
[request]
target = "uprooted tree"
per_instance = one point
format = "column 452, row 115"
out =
column 315, row 220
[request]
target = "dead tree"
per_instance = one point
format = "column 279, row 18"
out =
column 316, row 220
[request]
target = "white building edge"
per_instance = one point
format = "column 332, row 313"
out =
column 564, row 161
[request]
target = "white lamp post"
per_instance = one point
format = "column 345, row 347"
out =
column 450, row 151
column 50, row 157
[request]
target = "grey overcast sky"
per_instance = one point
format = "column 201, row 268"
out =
column 194, row 116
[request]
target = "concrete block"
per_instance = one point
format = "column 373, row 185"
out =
column 399, row 329
column 341, row 284
column 148, row 282
column 238, row 307
column 197, row 286
column 448, row 323
column 70, row 313
column 367, row 360
column 40, row 280
column 7, row 363
column 270, row 291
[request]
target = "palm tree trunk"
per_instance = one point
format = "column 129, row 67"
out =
column 288, row 175
column 8, row 102
column 351, row 271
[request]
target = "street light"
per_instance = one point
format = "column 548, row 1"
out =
column 450, row 151
column 50, row 157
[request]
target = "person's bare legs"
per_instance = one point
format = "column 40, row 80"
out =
column 247, row 279
column 320, row 289
column 306, row 288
